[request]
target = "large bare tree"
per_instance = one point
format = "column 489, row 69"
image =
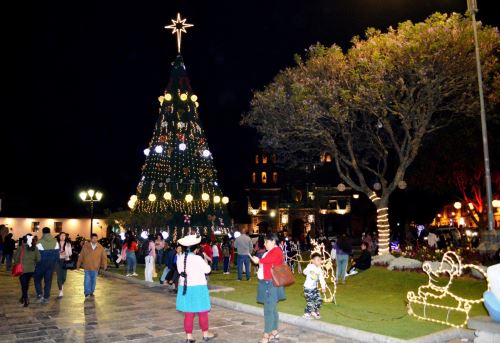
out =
column 372, row 107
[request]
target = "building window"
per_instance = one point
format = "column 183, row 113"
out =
column 273, row 158
column 275, row 177
column 254, row 177
column 256, row 159
column 263, row 177
column 35, row 226
column 328, row 158
column 58, row 227
column 263, row 205
column 264, row 159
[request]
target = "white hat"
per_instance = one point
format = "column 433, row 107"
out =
column 189, row 240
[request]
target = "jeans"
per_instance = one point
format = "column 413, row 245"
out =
column 342, row 261
column 242, row 259
column 61, row 274
column 24, row 279
column 226, row 264
column 89, row 281
column 44, row 270
column 271, row 316
column 131, row 262
column 164, row 274
column 159, row 256
column 8, row 262
column 148, row 270
column 215, row 263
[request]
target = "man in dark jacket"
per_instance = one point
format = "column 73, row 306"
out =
column 49, row 253
column 363, row 262
column 9, row 246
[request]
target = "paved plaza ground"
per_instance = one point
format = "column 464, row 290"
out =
column 121, row 312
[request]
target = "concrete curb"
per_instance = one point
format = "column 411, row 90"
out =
column 343, row 331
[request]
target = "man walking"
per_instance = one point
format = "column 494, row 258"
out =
column 244, row 245
column 92, row 257
column 49, row 253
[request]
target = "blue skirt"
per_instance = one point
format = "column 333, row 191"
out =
column 268, row 294
column 195, row 300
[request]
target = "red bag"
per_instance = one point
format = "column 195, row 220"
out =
column 17, row 269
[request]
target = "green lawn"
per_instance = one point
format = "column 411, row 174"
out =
column 373, row 301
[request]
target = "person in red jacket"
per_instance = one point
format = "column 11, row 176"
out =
column 267, row 293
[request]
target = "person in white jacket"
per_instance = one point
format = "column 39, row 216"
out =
column 314, row 274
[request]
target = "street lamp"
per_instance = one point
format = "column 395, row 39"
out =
column 91, row 196
column 472, row 8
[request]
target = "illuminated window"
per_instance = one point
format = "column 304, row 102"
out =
column 256, row 159
column 35, row 226
column 275, row 177
column 328, row 158
column 264, row 159
column 58, row 226
column 273, row 158
column 254, row 177
column 263, row 205
column 263, row 177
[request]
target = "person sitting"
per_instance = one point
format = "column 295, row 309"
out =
column 363, row 262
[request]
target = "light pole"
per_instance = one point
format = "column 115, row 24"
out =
column 472, row 8
column 91, row 196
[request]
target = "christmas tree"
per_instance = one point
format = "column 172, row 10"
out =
column 178, row 178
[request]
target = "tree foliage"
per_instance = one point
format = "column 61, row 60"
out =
column 372, row 106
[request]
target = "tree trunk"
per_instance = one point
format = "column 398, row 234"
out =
column 383, row 228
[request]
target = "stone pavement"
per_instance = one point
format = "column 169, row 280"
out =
column 122, row 312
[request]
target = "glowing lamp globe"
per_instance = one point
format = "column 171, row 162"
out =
column 133, row 197
column 83, row 195
column 161, row 98
column 237, row 234
column 194, row 98
column 272, row 214
column 167, row 196
column 225, row 200
column 205, row 197
column 152, row 197
column 216, row 199
column 91, row 192
column 182, row 146
column 168, row 96
column 98, row 196
column 184, row 96
column 188, row 198
column 159, row 149
column 164, row 234
column 457, row 205
column 206, row 153
column 144, row 235
column 131, row 204
column 495, row 203
column 146, row 152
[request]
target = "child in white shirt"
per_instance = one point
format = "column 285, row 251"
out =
column 313, row 273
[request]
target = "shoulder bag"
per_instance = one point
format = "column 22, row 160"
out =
column 282, row 276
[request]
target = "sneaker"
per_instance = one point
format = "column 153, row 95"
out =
column 44, row 301
column 60, row 294
column 306, row 316
column 128, row 275
column 316, row 315
column 39, row 300
column 135, row 274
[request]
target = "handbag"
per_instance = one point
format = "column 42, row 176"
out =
column 69, row 264
column 282, row 276
column 17, row 270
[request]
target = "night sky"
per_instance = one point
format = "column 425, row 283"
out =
column 83, row 79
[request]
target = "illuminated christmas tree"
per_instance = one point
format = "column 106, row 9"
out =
column 178, row 178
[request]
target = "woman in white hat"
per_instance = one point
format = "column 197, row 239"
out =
column 192, row 295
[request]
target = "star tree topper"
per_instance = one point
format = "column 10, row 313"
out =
column 178, row 26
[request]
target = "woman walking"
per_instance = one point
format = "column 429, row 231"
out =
column 192, row 296
column 343, row 249
column 150, row 259
column 29, row 256
column 130, row 249
column 65, row 253
column 267, row 293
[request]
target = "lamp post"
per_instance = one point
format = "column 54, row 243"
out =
column 91, row 196
column 472, row 9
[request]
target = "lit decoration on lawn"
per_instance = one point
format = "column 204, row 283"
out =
column 436, row 294
column 326, row 267
column 178, row 27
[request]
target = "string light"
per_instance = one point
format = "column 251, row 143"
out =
column 168, row 96
column 184, row 96
column 152, row 197
column 430, row 294
column 225, row 200
column 146, row 152
column 159, row 149
column 216, row 199
column 167, row 196
column 194, row 98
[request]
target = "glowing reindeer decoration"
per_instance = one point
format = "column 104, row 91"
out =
column 436, row 294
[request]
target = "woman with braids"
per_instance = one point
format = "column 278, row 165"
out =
column 192, row 294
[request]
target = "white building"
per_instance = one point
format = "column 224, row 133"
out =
column 73, row 227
